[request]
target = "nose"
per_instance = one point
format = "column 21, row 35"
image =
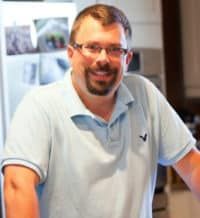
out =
column 102, row 56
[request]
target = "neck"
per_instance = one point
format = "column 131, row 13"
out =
column 102, row 106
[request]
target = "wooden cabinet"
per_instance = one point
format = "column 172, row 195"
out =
column 190, row 46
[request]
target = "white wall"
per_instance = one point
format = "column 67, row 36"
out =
column 145, row 18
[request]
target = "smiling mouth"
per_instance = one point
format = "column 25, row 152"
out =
column 100, row 81
column 101, row 75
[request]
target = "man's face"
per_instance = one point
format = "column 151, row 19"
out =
column 98, row 71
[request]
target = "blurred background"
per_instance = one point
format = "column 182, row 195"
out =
column 33, row 39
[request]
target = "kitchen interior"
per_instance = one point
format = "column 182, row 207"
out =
column 166, row 50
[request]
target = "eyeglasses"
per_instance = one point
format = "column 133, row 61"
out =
column 94, row 50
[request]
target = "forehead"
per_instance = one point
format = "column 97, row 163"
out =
column 92, row 30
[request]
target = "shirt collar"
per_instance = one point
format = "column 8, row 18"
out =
column 124, row 98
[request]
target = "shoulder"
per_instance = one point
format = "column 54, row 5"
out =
column 140, row 87
column 46, row 93
column 138, row 80
column 145, row 93
column 41, row 100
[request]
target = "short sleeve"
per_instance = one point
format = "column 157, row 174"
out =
column 28, row 140
column 175, row 138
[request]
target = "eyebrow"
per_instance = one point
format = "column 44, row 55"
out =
column 98, row 43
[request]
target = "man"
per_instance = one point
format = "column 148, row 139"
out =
column 88, row 146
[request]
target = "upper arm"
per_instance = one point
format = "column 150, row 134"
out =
column 20, row 196
column 28, row 141
column 18, row 176
column 189, row 170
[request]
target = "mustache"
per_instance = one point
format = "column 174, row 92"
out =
column 106, row 67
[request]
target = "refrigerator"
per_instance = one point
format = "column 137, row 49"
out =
column 33, row 38
column 32, row 50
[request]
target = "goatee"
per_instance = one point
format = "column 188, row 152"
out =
column 101, row 87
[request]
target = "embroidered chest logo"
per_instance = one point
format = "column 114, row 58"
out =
column 143, row 137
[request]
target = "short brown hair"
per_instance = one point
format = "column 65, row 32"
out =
column 106, row 14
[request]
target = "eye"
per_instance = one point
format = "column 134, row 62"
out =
column 116, row 50
column 93, row 48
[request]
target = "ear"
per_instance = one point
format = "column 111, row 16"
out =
column 70, row 51
column 129, row 57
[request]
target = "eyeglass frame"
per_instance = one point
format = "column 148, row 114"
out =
column 98, row 50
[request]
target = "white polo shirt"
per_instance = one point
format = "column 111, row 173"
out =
column 90, row 168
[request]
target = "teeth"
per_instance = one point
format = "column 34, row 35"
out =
column 101, row 72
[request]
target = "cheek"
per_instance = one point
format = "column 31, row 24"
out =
column 120, row 68
column 82, row 63
column 77, row 63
